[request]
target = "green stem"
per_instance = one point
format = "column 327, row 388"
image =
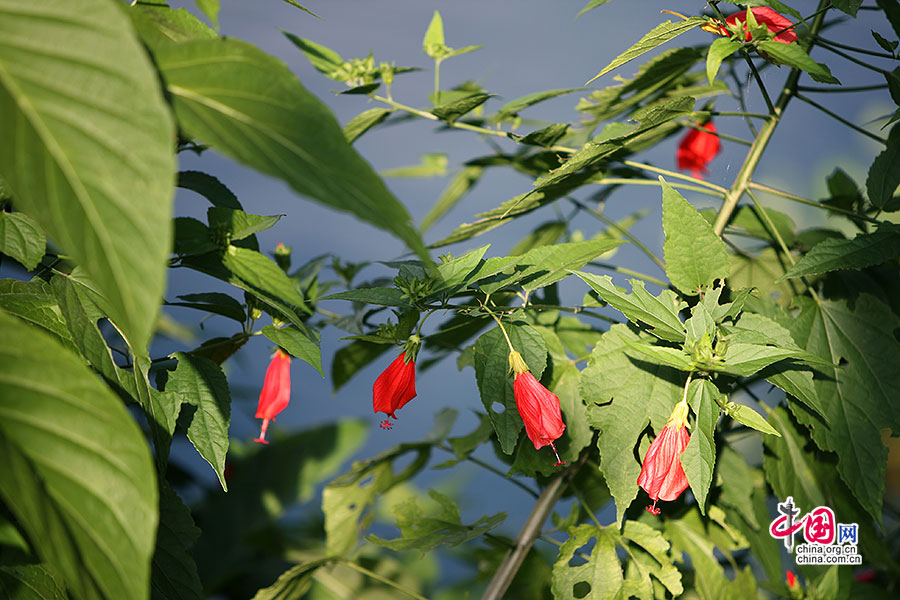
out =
column 682, row 186
column 767, row 220
column 431, row 117
column 383, row 579
column 822, row 40
column 738, row 113
column 755, row 153
column 852, row 59
column 859, row 88
column 837, row 117
column 499, row 324
column 530, row 532
column 806, row 201
column 676, row 175
column 437, row 82
column 759, row 81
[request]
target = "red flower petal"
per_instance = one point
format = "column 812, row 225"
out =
column 662, row 475
column 395, row 386
column 539, row 409
column 697, row 149
column 768, row 17
column 276, row 391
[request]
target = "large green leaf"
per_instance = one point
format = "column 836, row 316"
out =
column 22, row 239
column 302, row 343
column 858, row 398
column 600, row 575
column 695, row 256
column 865, row 250
column 249, row 106
column 496, row 384
column 88, row 147
column 628, row 394
column 657, row 36
column 795, row 56
column 699, row 457
column 34, row 302
column 30, row 582
column 424, row 531
column 76, row 471
column 659, row 312
column 201, row 383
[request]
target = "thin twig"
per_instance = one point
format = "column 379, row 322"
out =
column 806, row 201
column 837, row 117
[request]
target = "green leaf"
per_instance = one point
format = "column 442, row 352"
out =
column 293, row 583
column 174, row 571
column 547, row 136
column 425, row 530
column 213, row 302
column 76, row 472
column 156, row 23
column 296, row 4
column 384, row 296
column 263, row 275
column 236, row 223
column 699, row 457
column 671, row 357
column 762, row 271
column 431, row 165
column 210, row 8
column 97, row 178
column 496, row 384
column 351, row 358
column 695, row 256
column 789, row 466
column 22, row 239
column 657, row 36
column 749, row 219
column 601, row 575
column 363, row 122
column 865, row 250
column 325, row 60
column 886, row 44
column 201, row 383
column 346, row 502
column 746, row 359
column 456, row 271
column 453, row 110
column 737, row 482
column 718, row 51
column 209, row 187
column 30, row 582
column 590, row 6
column 34, row 302
column 848, row 6
column 883, row 176
column 433, row 43
column 796, row 57
column 858, row 397
column 249, row 106
column 514, row 107
column 545, row 265
column 299, row 343
column 461, row 183
column 659, row 312
column 750, row 418
column 629, row 394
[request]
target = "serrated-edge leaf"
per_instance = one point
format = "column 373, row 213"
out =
column 749, row 417
column 718, row 51
column 699, row 457
column 657, row 36
column 325, row 60
column 796, row 57
column 363, row 122
column 22, row 239
column 865, row 250
column 884, row 176
column 299, row 343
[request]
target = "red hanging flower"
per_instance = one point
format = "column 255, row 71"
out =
column 538, row 407
column 662, row 475
column 397, row 384
column 697, row 149
column 764, row 16
column 276, row 391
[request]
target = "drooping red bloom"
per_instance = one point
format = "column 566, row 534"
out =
column 276, row 391
column 791, row 579
column 538, row 407
column 394, row 387
column 662, row 475
column 697, row 149
column 764, row 16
